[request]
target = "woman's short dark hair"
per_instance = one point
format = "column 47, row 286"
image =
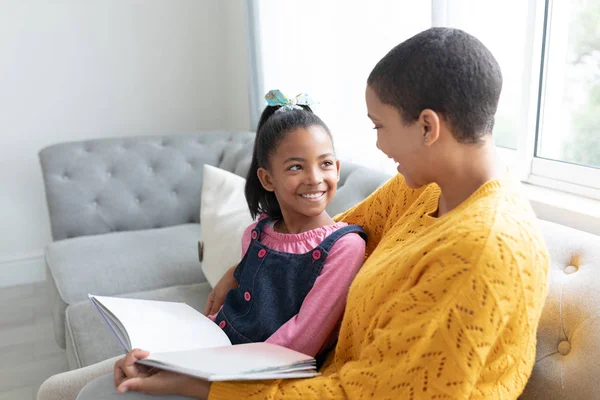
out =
column 272, row 128
column 445, row 70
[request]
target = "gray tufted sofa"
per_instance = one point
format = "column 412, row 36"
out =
column 125, row 221
column 124, row 216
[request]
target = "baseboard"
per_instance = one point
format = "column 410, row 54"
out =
column 22, row 270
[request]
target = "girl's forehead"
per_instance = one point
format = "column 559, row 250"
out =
column 312, row 138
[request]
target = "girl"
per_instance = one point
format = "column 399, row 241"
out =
column 297, row 262
column 290, row 287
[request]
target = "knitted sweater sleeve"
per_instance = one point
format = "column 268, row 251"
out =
column 373, row 212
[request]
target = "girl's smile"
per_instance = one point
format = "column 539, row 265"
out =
column 314, row 196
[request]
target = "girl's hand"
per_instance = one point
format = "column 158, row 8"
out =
column 216, row 298
column 126, row 367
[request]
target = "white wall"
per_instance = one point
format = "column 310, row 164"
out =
column 236, row 106
column 71, row 70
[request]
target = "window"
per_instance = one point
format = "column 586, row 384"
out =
column 568, row 134
column 327, row 49
column 570, row 129
column 502, row 27
column 548, row 119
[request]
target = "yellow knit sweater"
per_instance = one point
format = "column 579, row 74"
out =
column 443, row 308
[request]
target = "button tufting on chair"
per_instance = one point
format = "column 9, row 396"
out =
column 564, row 347
column 571, row 269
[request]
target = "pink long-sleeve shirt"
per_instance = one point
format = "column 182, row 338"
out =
column 315, row 326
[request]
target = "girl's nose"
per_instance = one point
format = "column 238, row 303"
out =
column 314, row 177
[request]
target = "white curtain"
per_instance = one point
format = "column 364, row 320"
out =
column 328, row 48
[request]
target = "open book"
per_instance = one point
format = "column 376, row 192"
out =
column 183, row 340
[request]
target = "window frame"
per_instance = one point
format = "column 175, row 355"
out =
column 524, row 162
column 559, row 175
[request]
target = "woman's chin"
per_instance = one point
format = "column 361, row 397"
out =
column 410, row 183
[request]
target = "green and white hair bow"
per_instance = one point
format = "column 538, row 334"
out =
column 276, row 98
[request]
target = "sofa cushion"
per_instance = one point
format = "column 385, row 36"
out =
column 225, row 216
column 356, row 183
column 125, row 262
column 121, row 262
column 89, row 340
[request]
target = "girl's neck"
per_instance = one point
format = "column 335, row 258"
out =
column 301, row 223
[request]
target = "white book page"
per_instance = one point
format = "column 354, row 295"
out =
column 235, row 360
column 160, row 326
column 302, row 372
column 117, row 328
column 264, row 376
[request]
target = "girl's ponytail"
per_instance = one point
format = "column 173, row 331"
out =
column 258, row 198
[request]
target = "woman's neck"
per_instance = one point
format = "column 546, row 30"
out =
column 468, row 169
column 297, row 223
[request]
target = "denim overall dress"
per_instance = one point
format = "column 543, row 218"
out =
column 272, row 286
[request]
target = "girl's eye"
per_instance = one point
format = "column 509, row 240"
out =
column 376, row 127
column 295, row 168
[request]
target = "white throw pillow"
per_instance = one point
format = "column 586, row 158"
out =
column 224, row 216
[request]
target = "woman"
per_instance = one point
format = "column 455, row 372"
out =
column 448, row 301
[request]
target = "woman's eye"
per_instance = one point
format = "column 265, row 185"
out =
column 327, row 163
column 376, row 127
column 295, row 168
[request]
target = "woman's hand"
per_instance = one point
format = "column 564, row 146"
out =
column 139, row 378
column 216, row 298
column 165, row 382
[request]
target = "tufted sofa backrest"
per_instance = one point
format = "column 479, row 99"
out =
column 122, row 184
column 132, row 183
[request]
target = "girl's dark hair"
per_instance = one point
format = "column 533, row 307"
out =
column 272, row 128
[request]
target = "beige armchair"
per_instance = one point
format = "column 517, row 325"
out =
column 568, row 348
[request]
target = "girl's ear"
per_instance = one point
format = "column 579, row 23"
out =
column 265, row 179
column 338, row 166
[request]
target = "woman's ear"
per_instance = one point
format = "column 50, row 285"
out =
column 265, row 179
column 430, row 121
column 338, row 166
